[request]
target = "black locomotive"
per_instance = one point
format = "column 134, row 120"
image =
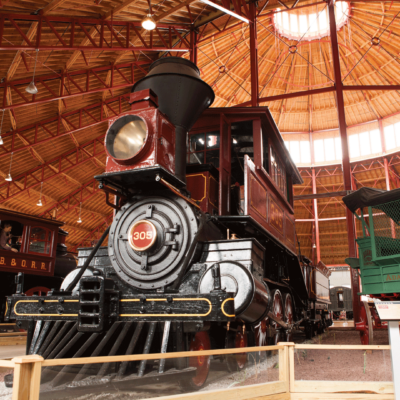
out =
column 198, row 256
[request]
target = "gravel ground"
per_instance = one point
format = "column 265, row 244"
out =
column 344, row 365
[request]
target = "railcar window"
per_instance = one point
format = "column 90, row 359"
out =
column 265, row 150
column 340, row 300
column 40, row 241
column 203, row 148
column 278, row 172
column 242, row 143
column 15, row 235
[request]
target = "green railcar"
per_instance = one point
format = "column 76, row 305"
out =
column 379, row 246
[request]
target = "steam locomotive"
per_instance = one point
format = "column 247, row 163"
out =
column 201, row 252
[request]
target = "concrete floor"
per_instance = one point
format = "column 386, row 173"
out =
column 8, row 352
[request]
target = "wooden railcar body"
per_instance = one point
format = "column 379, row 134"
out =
column 42, row 255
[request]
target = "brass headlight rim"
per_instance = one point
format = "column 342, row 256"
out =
column 114, row 129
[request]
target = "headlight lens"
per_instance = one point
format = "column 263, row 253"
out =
column 126, row 137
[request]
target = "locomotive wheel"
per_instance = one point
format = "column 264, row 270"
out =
column 236, row 362
column 38, row 291
column 201, row 341
column 277, row 310
column 288, row 315
column 308, row 329
column 260, row 332
column 367, row 334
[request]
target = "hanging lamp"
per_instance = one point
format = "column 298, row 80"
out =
column 148, row 21
column 9, row 178
column 80, row 213
column 39, row 203
column 1, row 129
column 31, row 88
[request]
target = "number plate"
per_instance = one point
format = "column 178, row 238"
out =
column 142, row 235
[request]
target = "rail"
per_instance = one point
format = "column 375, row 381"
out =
column 27, row 376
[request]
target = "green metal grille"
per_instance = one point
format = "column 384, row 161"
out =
column 386, row 229
column 379, row 250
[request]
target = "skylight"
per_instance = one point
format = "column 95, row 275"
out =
column 311, row 22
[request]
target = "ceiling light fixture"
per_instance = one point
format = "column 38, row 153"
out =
column 225, row 10
column 1, row 128
column 39, row 203
column 80, row 213
column 9, row 179
column 148, row 22
column 31, row 88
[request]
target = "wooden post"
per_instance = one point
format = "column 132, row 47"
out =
column 286, row 364
column 27, row 373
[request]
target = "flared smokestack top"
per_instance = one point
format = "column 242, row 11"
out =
column 182, row 94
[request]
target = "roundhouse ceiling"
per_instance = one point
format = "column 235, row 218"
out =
column 60, row 141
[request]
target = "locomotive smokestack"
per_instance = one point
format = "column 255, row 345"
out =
column 182, row 96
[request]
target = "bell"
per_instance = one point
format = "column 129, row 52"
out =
column 9, row 179
column 39, row 203
column 1, row 141
column 79, row 220
column 31, row 88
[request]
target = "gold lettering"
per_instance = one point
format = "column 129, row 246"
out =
column 23, row 264
column 33, row 265
column 388, row 278
column 2, row 262
column 13, row 262
column 43, row 266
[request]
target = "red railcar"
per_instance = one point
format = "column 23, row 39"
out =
column 39, row 252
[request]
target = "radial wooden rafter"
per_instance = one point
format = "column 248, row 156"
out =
column 225, row 41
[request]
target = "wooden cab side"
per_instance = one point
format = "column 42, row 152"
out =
column 35, row 239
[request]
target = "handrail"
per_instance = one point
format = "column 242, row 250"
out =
column 27, row 375
column 139, row 357
column 341, row 347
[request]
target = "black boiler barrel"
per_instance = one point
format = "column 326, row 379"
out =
column 182, row 96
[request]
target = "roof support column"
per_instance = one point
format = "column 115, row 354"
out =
column 316, row 221
column 193, row 45
column 253, row 55
column 316, row 244
column 355, row 284
column 387, row 173
column 385, row 160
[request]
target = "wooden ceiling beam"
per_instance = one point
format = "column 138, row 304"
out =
column 30, row 35
column 93, row 32
column 46, row 171
column 106, row 221
column 83, row 193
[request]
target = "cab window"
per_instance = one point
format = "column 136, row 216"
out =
column 278, row 172
column 40, row 241
column 203, row 148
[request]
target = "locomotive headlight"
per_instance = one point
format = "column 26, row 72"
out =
column 126, row 137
